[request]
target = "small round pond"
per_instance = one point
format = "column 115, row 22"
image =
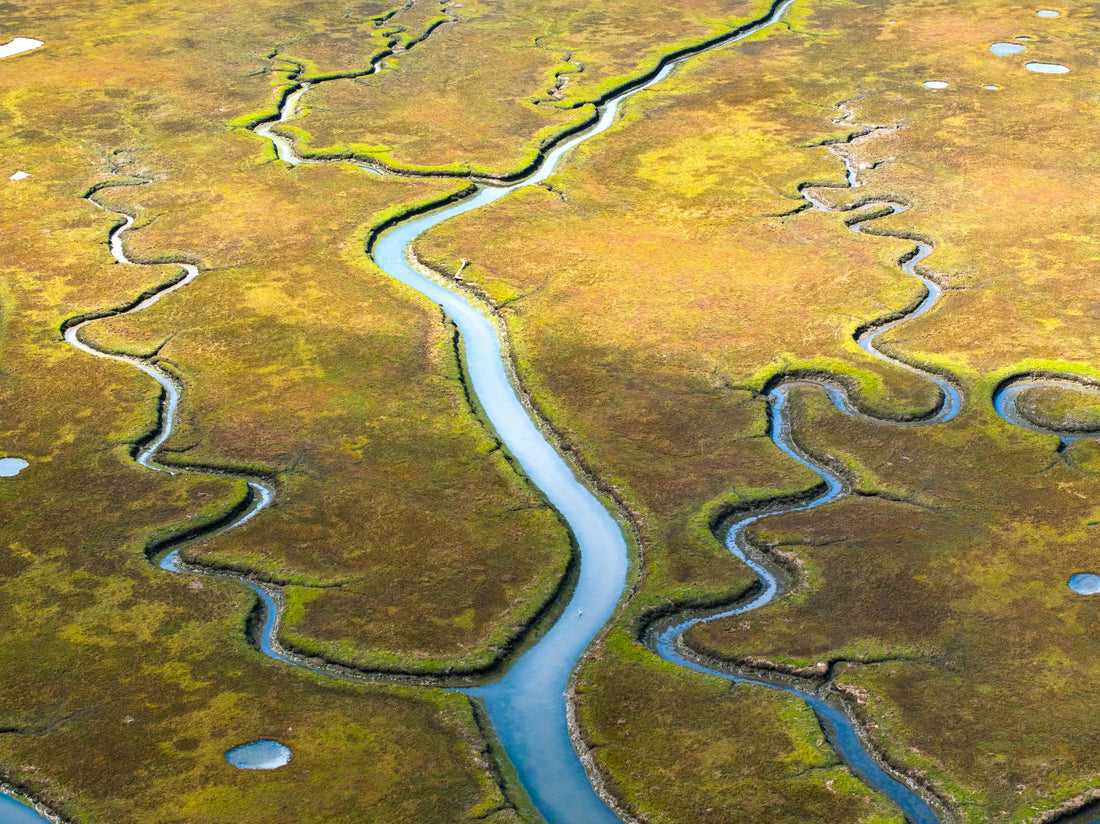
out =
column 1002, row 49
column 1047, row 13
column 9, row 467
column 259, row 755
column 1046, row 68
column 935, row 84
column 1085, row 583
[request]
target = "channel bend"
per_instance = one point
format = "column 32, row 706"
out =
column 665, row 637
column 261, row 492
column 1007, row 396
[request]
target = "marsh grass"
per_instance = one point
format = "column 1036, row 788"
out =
column 667, row 275
column 651, row 291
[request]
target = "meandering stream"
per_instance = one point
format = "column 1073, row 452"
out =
column 1007, row 396
column 666, row 638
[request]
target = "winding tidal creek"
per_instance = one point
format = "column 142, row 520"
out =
column 666, row 638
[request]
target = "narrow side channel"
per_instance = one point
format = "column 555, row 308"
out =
column 666, row 639
column 261, row 492
column 1007, row 396
column 666, row 636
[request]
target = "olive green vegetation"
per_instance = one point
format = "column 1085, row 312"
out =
column 122, row 686
column 499, row 80
column 403, row 538
column 662, row 277
column 708, row 750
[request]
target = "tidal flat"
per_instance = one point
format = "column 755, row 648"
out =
column 652, row 291
column 674, row 346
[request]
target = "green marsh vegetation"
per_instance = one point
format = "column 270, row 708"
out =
column 405, row 540
column 650, row 291
column 666, row 277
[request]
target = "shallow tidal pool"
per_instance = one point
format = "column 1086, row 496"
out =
column 259, row 755
column 1046, row 68
column 10, row 467
column 1085, row 583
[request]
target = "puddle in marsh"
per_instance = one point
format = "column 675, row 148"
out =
column 9, row 467
column 1085, row 583
column 935, row 84
column 1046, row 68
column 259, row 755
column 1002, row 49
column 19, row 176
column 992, row 88
column 19, row 45
column 1047, row 13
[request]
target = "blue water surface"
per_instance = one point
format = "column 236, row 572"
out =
column 259, row 755
column 15, row 812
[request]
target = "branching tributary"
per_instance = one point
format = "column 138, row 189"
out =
column 666, row 637
column 527, row 707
